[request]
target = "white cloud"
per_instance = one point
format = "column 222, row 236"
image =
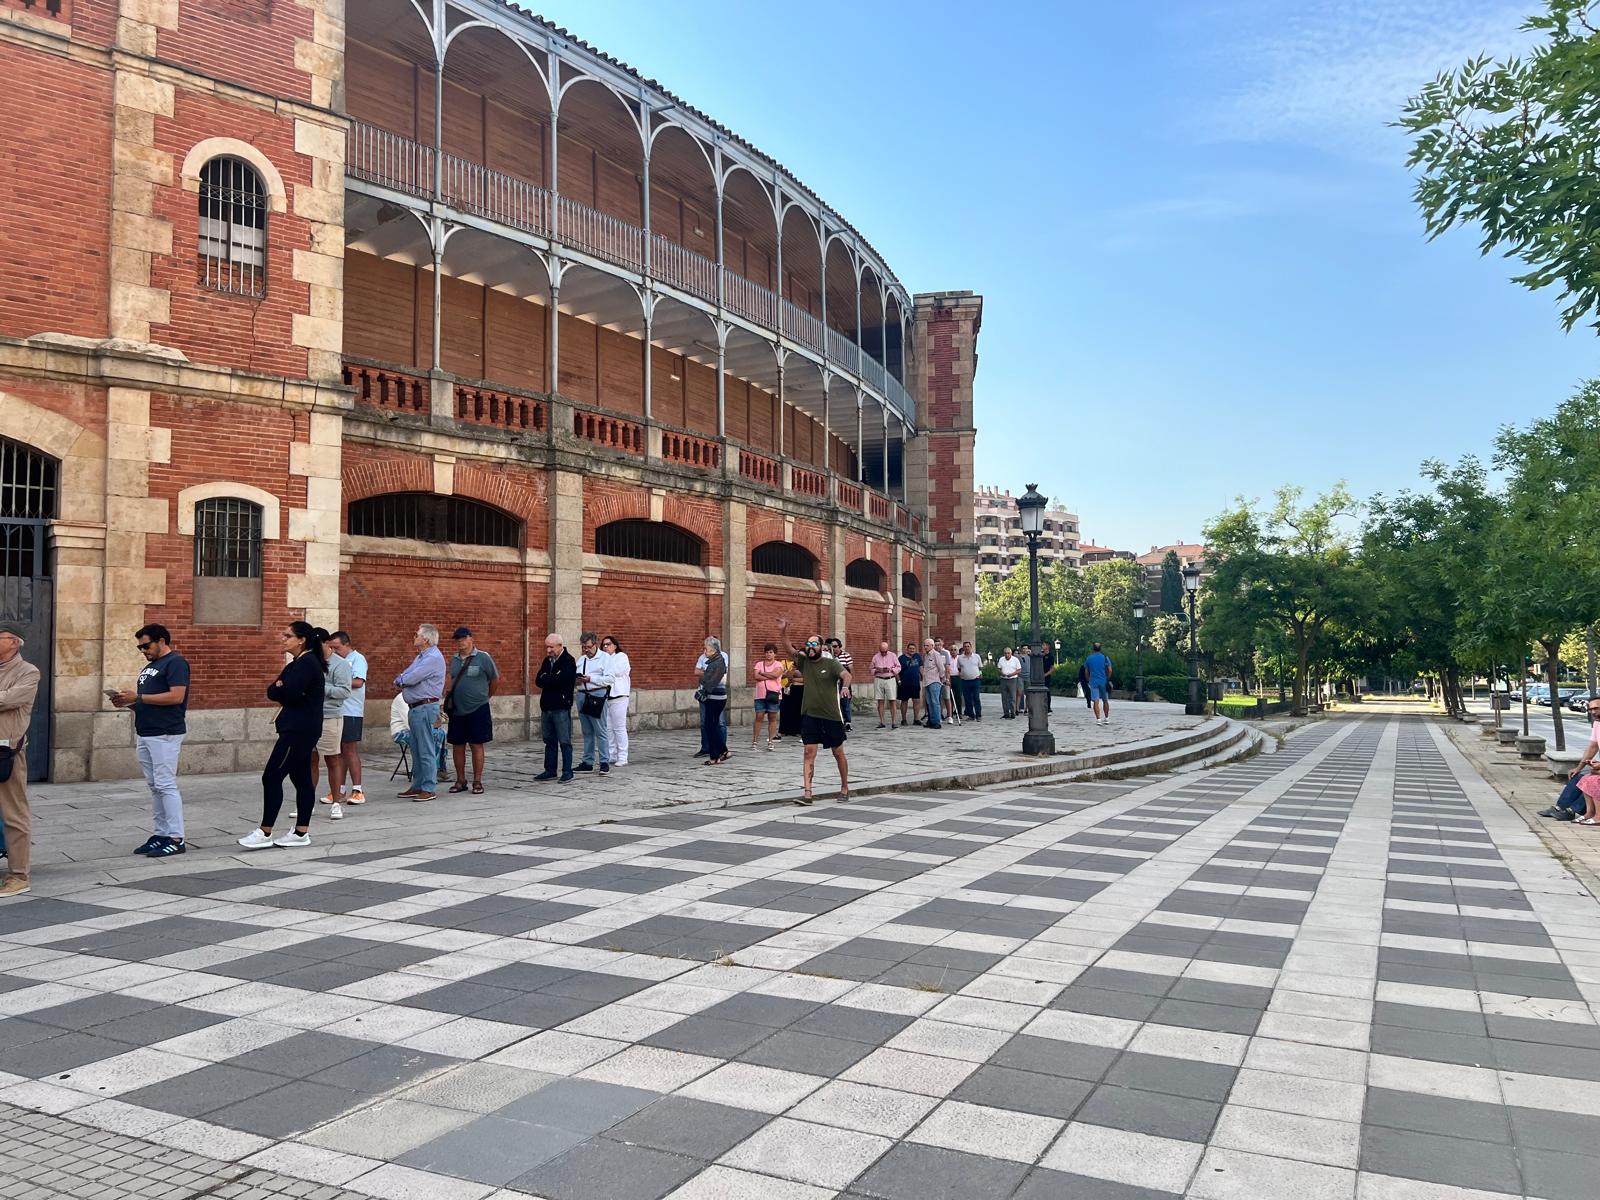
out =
column 1333, row 73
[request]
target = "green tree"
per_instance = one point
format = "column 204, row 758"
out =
column 1512, row 147
column 1171, row 583
column 1290, row 566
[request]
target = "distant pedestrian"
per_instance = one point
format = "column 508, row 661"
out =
column 330, row 748
column 768, row 671
column 705, row 737
column 935, row 676
column 422, row 685
column 297, row 691
column 848, row 662
column 1083, row 687
column 713, row 693
column 885, row 668
column 160, row 704
column 558, row 676
column 468, row 688
column 1099, row 668
column 1010, row 668
column 822, row 720
column 909, row 684
column 353, row 717
column 969, row 669
column 594, row 691
column 19, row 685
column 1047, row 667
column 617, row 705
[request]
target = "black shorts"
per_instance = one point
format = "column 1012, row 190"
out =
column 352, row 730
column 817, row 731
column 470, row 729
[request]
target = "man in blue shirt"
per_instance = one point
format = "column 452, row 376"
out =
column 1099, row 668
column 160, row 703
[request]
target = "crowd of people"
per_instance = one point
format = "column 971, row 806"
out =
column 808, row 691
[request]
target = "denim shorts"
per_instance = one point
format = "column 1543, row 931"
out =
column 767, row 704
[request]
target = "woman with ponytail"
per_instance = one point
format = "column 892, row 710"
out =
column 298, row 692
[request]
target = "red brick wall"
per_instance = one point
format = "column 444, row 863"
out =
column 55, row 221
column 864, row 625
column 83, row 404
column 250, row 42
column 213, row 440
column 803, row 608
column 662, row 621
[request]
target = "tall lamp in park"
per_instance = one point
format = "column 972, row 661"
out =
column 1138, row 623
column 1191, row 586
column 1038, row 739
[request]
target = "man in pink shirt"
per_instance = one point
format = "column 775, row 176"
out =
column 885, row 674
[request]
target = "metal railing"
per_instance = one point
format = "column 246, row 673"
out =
column 802, row 326
column 872, row 373
column 474, row 188
column 749, row 299
column 599, row 233
column 682, row 267
column 841, row 350
column 388, row 159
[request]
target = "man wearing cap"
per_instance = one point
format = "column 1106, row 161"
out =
column 471, row 683
column 19, row 684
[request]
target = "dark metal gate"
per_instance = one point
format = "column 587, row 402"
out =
column 27, row 593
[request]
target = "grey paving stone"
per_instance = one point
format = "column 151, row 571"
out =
column 463, row 997
column 709, row 1035
column 1177, row 1076
column 21, row 1031
column 852, row 1024
column 492, row 1149
column 602, row 1169
column 1045, row 1184
column 380, row 1071
column 302, row 1054
column 1024, row 1091
column 50, row 1056
column 1554, row 1033
column 204, row 1091
column 1219, row 1018
column 1444, row 1115
column 914, row 1172
column 1441, row 1020
column 1539, row 1058
column 774, row 1012
column 791, row 1050
column 1133, row 1006
column 1539, row 1129
column 1448, row 1160
column 523, row 977
column 1556, row 1175
column 287, row 1110
column 695, row 1128
column 1207, row 991
column 595, row 985
column 1053, row 1057
column 153, row 1025
column 537, row 1010
column 1116, row 979
column 582, row 1105
column 1156, row 1113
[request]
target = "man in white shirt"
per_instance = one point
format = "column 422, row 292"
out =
column 353, row 712
column 969, row 667
column 1010, row 667
column 594, row 688
column 699, row 669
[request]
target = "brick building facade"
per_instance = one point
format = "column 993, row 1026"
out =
column 377, row 313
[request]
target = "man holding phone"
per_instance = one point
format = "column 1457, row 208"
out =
column 160, row 704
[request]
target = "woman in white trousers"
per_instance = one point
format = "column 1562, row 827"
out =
column 617, row 705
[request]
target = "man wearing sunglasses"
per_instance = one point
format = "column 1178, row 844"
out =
column 160, row 704
column 821, row 721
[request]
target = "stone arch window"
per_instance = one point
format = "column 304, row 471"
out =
column 228, row 534
column 653, row 541
column 28, row 498
column 783, row 558
column 233, row 228
column 429, row 517
column 910, row 586
column 864, row 573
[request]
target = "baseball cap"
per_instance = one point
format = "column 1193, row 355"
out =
column 461, row 632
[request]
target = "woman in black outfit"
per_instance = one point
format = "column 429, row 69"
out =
column 794, row 696
column 298, row 690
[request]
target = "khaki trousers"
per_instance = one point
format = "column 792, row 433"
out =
column 14, row 812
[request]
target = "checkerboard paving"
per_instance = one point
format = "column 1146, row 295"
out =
column 1342, row 969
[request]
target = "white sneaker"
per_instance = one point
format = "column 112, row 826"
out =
column 291, row 838
column 336, row 813
column 256, row 840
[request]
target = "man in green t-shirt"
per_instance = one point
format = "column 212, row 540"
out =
column 821, row 722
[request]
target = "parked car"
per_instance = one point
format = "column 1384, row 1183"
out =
column 1579, row 700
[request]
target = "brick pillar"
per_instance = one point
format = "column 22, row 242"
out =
column 939, row 462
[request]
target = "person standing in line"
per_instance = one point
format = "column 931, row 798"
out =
column 885, row 667
column 934, row 678
column 336, row 690
column 19, row 686
column 558, row 676
column 617, row 703
column 969, row 667
column 947, row 694
column 714, row 695
column 471, row 681
column 909, row 684
column 297, row 691
column 353, row 716
column 769, row 694
column 160, row 704
column 594, row 692
column 1047, row 668
column 822, row 721
column 793, row 701
column 1100, row 669
column 1010, row 668
column 705, row 740
column 848, row 662
column 422, row 685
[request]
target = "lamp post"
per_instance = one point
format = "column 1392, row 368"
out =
column 1191, row 586
column 1138, row 622
column 1038, row 739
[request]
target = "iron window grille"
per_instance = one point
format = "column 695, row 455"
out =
column 783, row 558
column 910, row 586
column 429, row 517
column 864, row 573
column 233, row 228
column 650, row 540
column 27, row 483
column 227, row 539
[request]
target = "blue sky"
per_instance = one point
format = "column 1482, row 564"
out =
column 1202, row 271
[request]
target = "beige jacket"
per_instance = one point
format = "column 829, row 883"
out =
column 19, row 683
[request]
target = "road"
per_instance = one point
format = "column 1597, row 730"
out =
column 1343, row 969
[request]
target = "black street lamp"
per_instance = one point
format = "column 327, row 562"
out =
column 1191, row 586
column 1138, row 621
column 1038, row 739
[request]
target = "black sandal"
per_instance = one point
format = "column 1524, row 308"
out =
column 457, row 787
column 477, row 787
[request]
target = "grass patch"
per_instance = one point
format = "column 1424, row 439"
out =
column 816, row 974
column 927, row 985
